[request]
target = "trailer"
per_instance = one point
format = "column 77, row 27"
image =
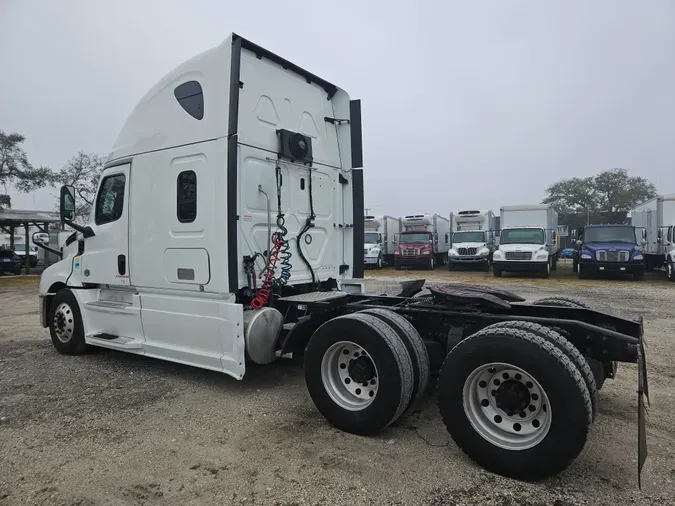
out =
column 528, row 241
column 424, row 242
column 177, row 278
column 380, row 234
column 472, row 241
column 657, row 218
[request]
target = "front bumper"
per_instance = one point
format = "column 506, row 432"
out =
column 43, row 310
column 516, row 266
column 628, row 268
column 9, row 267
column 468, row 260
column 412, row 261
column 370, row 260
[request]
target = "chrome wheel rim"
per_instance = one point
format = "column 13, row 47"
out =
column 507, row 406
column 349, row 376
column 64, row 322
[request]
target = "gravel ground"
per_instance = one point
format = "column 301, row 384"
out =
column 111, row 428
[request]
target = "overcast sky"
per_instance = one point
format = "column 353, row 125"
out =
column 465, row 103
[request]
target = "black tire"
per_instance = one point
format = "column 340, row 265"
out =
column 554, row 263
column 73, row 327
column 393, row 363
column 432, row 264
column 582, row 272
column 560, row 341
column 639, row 275
column 497, row 271
column 671, row 270
column 546, row 273
column 569, row 399
column 17, row 271
column 561, row 301
column 451, row 265
column 415, row 346
column 486, row 267
column 379, row 264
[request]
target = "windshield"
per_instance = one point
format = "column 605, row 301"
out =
column 477, row 236
column 522, row 236
column 415, row 237
column 610, row 234
column 370, row 238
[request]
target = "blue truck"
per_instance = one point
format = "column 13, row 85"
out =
column 609, row 248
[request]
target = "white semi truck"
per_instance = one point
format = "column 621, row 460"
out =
column 424, row 241
column 228, row 227
column 379, row 240
column 657, row 218
column 528, row 241
column 472, row 242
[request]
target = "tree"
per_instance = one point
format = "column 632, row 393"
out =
column 572, row 195
column 617, row 191
column 82, row 172
column 606, row 196
column 16, row 170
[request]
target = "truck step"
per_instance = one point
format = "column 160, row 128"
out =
column 313, row 297
column 114, row 342
column 109, row 306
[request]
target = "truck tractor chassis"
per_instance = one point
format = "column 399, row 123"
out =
column 517, row 382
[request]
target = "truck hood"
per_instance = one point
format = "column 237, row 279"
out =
column 477, row 245
column 610, row 246
column 520, row 247
column 370, row 245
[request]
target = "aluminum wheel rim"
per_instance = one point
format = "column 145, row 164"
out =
column 64, row 322
column 338, row 365
column 484, row 407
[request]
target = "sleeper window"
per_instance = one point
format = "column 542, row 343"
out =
column 187, row 196
column 110, row 199
column 191, row 98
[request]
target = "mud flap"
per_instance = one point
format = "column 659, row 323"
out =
column 643, row 394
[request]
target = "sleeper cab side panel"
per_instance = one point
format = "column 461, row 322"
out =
column 168, row 253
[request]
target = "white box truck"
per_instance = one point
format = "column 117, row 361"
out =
column 424, row 241
column 472, row 241
column 657, row 218
column 379, row 240
column 528, row 241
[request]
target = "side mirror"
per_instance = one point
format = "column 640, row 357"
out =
column 67, row 203
column 579, row 243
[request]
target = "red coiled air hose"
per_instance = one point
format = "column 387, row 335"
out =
column 263, row 294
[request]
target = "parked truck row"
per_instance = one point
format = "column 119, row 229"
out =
column 526, row 242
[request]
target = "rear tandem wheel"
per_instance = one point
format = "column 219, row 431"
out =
column 514, row 403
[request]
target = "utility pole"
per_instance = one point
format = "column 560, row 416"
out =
column 366, row 210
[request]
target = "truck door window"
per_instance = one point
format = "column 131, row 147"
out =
column 187, row 196
column 110, row 199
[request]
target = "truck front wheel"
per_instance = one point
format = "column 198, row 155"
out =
column 65, row 324
column 514, row 403
column 671, row 271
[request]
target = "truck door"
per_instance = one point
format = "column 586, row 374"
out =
column 105, row 258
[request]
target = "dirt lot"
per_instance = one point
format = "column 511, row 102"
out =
column 110, row 428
